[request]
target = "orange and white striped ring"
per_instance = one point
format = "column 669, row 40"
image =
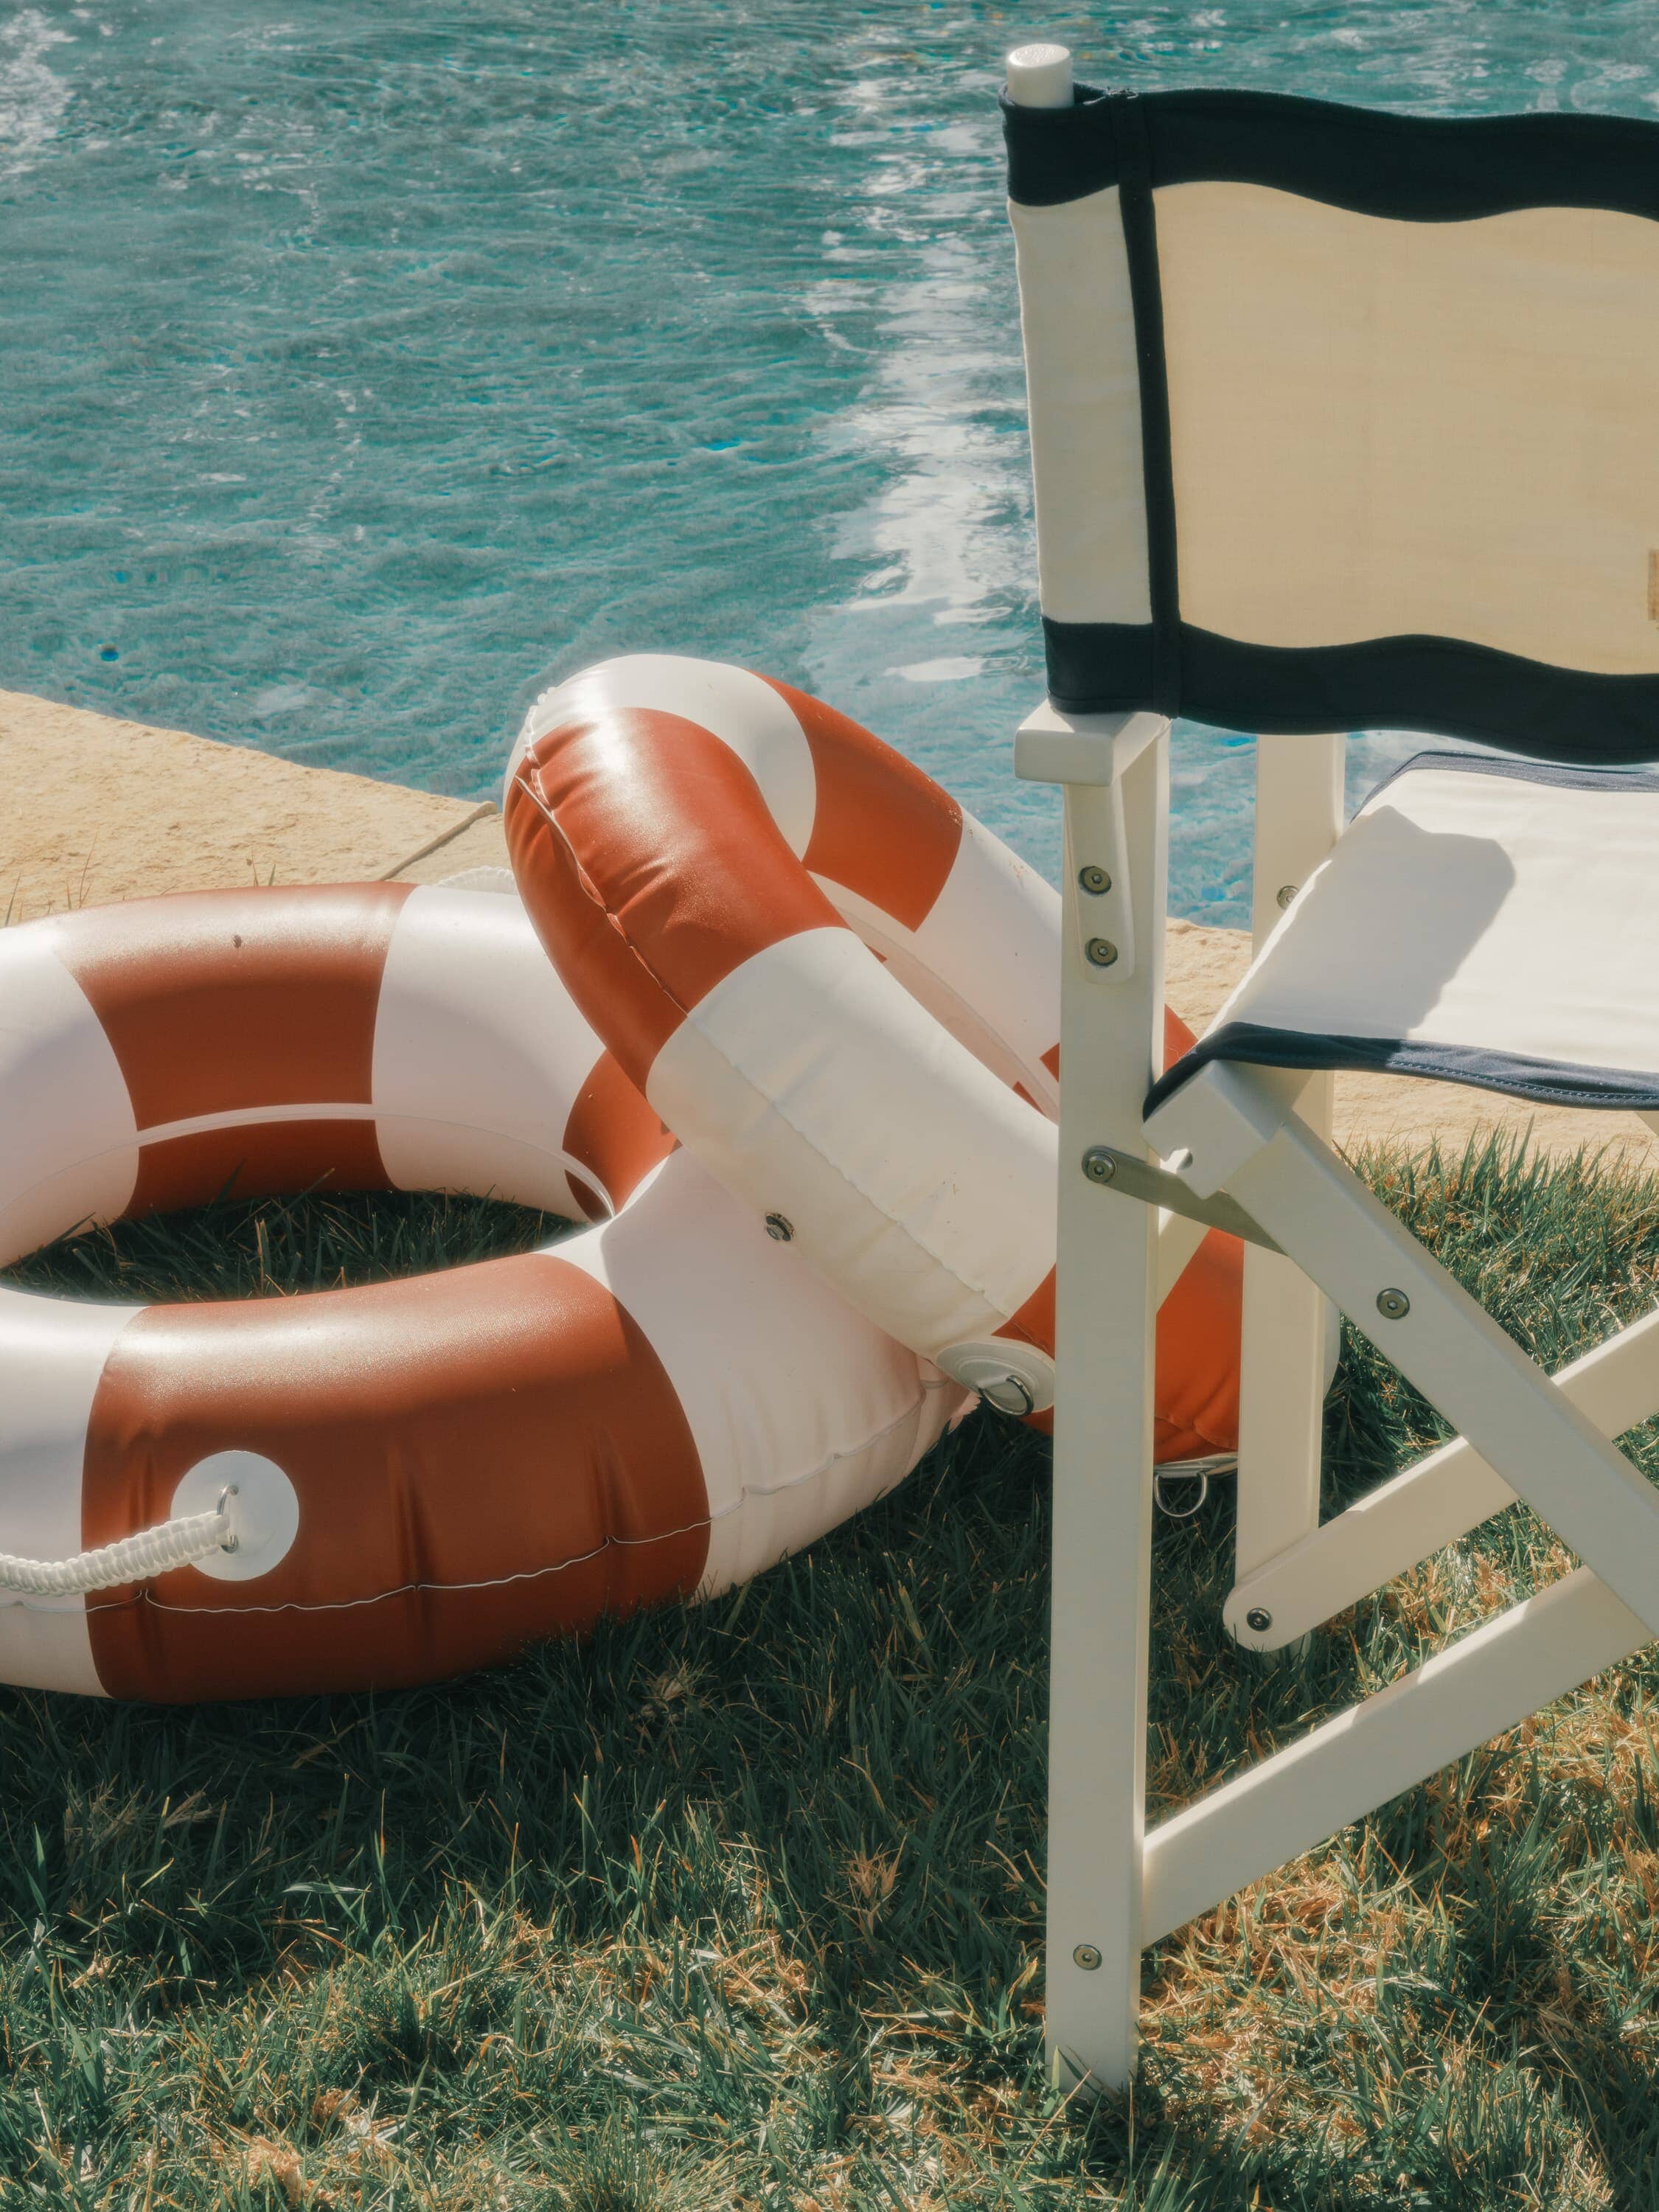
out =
column 429, row 1473
column 842, row 993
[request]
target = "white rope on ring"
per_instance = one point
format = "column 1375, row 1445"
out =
column 131, row 1559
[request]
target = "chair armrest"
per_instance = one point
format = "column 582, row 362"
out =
column 1052, row 746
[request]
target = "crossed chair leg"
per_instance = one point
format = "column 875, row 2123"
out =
column 1238, row 1156
column 1239, row 1152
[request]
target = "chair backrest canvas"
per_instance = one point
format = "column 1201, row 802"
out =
column 1343, row 420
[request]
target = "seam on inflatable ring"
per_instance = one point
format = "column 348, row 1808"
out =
column 526, row 1574
column 527, row 770
column 589, row 891
column 778, row 1489
column 898, row 944
column 410, row 1590
column 163, row 1132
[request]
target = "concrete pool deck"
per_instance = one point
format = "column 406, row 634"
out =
column 94, row 809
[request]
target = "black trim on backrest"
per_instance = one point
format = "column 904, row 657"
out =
column 1442, row 686
column 1146, row 296
column 1398, row 167
column 1419, row 168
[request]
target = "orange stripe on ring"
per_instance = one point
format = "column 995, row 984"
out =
column 214, row 1001
column 1178, row 1040
column 260, row 1159
column 1195, row 1381
column 651, row 865
column 611, row 1130
column 882, row 829
column 482, row 1458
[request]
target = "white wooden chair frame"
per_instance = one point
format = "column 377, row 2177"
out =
column 1114, row 1887
column 1246, row 1147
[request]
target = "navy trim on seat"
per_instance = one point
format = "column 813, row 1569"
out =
column 1443, row 685
column 1554, row 773
column 1545, row 1082
column 1410, row 167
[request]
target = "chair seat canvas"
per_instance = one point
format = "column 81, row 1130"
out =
column 1482, row 921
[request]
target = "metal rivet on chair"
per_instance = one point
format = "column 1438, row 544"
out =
column 1393, row 1305
column 1095, row 881
column 1098, row 1165
column 780, row 1226
column 1087, row 1956
column 1286, row 893
column 1259, row 1619
column 1100, row 952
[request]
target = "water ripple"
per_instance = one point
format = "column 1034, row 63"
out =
column 369, row 369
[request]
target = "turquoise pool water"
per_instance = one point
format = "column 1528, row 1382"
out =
column 369, row 368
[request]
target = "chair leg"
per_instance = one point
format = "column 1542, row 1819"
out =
column 1298, row 817
column 1281, row 1409
column 1110, row 1037
column 1432, row 1503
column 1232, row 1124
column 1489, row 1681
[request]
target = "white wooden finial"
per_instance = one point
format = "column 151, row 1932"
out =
column 1040, row 77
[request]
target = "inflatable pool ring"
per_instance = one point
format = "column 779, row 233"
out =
column 842, row 993
column 422, row 1476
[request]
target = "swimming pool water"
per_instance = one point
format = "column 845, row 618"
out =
column 369, row 368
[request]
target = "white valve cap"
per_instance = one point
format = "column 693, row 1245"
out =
column 1014, row 1378
column 1040, row 77
column 264, row 1512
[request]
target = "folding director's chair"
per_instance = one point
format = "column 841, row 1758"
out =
column 1338, row 420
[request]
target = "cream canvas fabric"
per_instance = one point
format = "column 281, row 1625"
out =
column 1382, row 429
column 1078, row 329
column 1492, row 920
column 1343, row 420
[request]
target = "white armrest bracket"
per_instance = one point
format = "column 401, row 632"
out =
column 1052, row 746
column 1089, row 755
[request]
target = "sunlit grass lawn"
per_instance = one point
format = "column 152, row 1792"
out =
column 741, row 1905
